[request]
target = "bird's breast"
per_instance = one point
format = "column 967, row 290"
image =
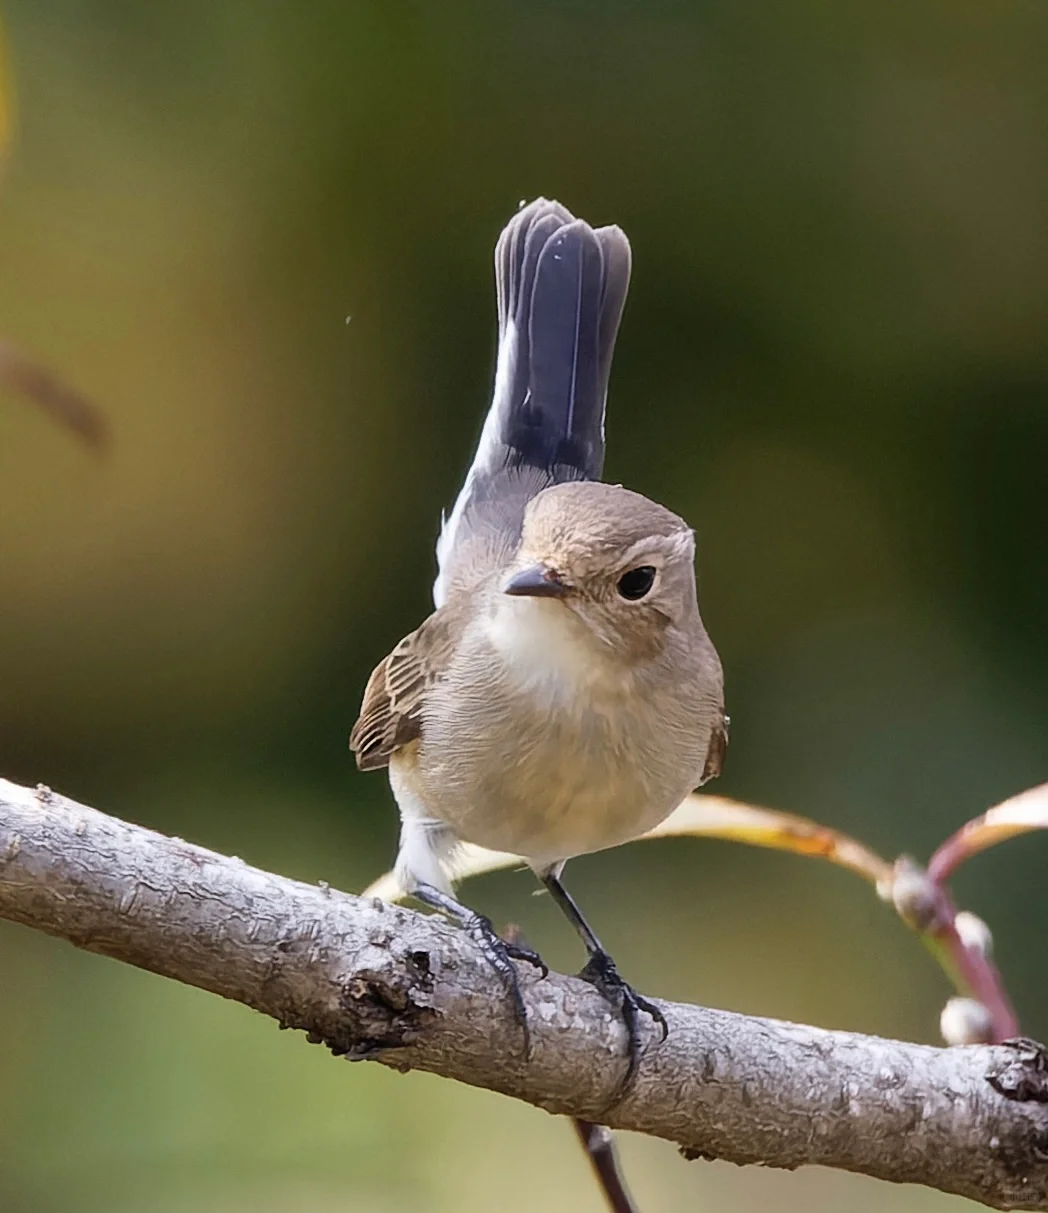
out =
column 536, row 742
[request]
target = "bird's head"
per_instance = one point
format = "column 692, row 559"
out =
column 620, row 564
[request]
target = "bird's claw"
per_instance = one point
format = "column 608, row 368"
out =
column 500, row 955
column 601, row 972
column 518, row 951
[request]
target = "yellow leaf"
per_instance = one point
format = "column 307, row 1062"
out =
column 1017, row 815
column 733, row 821
column 701, row 816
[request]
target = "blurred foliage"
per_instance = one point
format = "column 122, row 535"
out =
column 6, row 99
column 833, row 362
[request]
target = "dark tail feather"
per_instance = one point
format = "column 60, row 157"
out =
column 618, row 262
column 561, row 290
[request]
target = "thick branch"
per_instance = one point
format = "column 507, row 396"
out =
column 374, row 980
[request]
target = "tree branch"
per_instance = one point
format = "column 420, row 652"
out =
column 373, row 980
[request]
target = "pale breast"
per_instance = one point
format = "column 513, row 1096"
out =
column 540, row 744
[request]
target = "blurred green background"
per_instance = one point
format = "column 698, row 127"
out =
column 833, row 363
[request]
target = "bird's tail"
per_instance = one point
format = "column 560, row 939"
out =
column 561, row 288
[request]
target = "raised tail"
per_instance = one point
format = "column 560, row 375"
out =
column 561, row 287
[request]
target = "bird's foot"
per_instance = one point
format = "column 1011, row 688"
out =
column 501, row 954
column 602, row 973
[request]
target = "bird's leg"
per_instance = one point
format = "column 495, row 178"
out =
column 601, row 972
column 495, row 950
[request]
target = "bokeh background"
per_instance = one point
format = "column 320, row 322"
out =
column 260, row 234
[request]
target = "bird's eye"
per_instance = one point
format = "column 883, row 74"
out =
column 637, row 582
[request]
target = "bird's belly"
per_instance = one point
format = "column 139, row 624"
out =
column 558, row 783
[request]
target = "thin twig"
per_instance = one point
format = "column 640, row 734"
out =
column 928, row 908
column 68, row 406
column 599, row 1144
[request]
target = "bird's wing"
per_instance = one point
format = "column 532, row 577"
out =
column 394, row 698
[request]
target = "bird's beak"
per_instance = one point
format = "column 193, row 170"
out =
column 536, row 581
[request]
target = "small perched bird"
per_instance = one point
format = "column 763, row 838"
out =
column 564, row 696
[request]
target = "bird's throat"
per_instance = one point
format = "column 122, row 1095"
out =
column 548, row 651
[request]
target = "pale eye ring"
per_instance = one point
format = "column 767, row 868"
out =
column 635, row 584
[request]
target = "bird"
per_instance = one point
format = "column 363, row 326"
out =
column 564, row 695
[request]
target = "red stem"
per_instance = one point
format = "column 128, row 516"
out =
column 976, row 970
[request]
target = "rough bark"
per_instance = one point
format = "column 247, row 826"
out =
column 371, row 980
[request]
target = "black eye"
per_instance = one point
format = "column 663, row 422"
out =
column 637, row 582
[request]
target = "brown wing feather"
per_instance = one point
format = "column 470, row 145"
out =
column 391, row 712
column 715, row 754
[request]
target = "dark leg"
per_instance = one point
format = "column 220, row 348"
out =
column 601, row 972
column 497, row 952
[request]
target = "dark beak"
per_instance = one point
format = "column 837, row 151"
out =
column 536, row 581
